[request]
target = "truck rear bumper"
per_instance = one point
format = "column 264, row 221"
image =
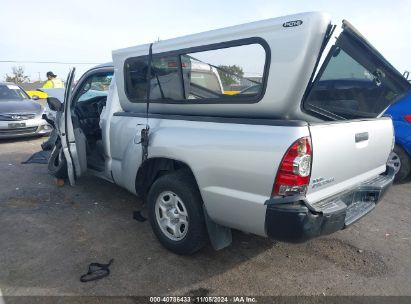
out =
column 295, row 221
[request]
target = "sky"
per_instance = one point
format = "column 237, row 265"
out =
column 87, row 31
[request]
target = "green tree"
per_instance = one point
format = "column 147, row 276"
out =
column 230, row 74
column 17, row 75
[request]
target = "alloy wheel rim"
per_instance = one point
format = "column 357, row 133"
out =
column 171, row 215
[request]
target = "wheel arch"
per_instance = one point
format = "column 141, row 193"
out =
column 153, row 168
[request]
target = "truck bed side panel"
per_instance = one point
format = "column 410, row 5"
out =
column 234, row 164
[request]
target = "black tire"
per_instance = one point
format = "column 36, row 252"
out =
column 47, row 145
column 51, row 141
column 405, row 167
column 183, row 185
column 57, row 165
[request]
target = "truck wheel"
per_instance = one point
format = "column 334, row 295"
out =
column 57, row 165
column 176, row 213
column 51, row 141
column 401, row 162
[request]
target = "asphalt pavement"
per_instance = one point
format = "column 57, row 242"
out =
column 49, row 235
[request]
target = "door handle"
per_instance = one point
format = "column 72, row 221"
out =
column 359, row 137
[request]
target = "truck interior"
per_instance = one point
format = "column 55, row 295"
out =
column 87, row 105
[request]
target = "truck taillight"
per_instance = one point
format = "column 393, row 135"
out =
column 408, row 118
column 294, row 172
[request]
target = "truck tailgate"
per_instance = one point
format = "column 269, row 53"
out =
column 347, row 153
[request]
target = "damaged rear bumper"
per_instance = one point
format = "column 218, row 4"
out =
column 291, row 219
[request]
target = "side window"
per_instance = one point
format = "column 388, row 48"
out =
column 165, row 82
column 229, row 74
column 349, row 90
column 95, row 86
column 135, row 77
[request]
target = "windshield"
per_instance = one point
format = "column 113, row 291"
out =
column 11, row 92
column 96, row 85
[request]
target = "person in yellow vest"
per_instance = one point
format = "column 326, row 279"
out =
column 53, row 81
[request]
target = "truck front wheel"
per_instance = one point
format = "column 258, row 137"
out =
column 176, row 214
column 57, row 164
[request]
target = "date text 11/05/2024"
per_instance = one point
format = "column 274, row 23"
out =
column 200, row 299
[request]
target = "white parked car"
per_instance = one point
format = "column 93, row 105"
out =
column 301, row 155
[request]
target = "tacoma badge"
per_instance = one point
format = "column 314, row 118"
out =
column 321, row 181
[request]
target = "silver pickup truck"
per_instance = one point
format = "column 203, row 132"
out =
column 272, row 128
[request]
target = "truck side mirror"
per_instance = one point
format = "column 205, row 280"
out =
column 54, row 104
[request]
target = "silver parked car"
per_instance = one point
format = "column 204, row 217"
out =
column 19, row 115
